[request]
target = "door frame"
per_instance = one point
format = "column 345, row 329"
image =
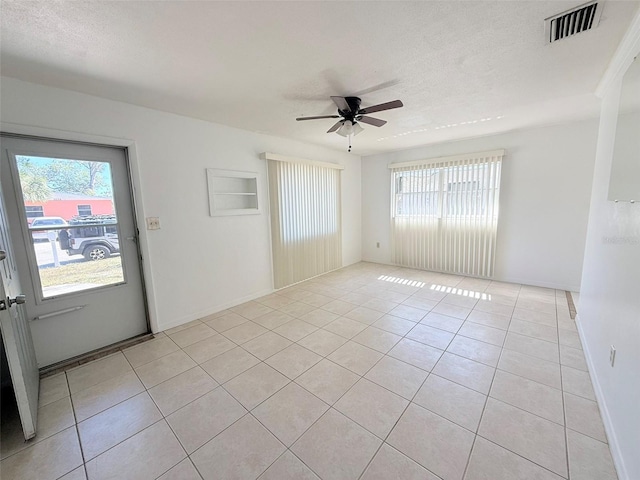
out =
column 135, row 192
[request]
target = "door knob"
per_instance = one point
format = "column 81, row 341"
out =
column 20, row 299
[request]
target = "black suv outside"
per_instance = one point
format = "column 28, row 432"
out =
column 94, row 236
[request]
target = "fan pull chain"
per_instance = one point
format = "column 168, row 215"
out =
column 349, row 144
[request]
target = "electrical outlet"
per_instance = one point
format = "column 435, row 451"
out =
column 377, row 244
column 612, row 355
column 153, row 223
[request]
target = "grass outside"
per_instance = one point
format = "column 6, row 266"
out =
column 98, row 272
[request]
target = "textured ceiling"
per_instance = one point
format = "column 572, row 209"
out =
column 462, row 69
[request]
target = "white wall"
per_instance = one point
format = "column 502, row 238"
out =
column 624, row 181
column 196, row 264
column 544, row 200
column 609, row 307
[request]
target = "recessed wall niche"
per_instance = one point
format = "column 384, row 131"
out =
column 232, row 192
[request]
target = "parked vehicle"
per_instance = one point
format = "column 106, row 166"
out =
column 43, row 235
column 94, row 236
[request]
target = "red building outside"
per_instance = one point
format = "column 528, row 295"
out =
column 69, row 205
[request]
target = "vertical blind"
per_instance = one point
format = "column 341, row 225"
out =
column 306, row 230
column 445, row 213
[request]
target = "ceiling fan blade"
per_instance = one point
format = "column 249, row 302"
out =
column 381, row 107
column 341, row 103
column 336, row 126
column 376, row 122
column 318, row 117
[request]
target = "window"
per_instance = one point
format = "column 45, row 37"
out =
column 306, row 227
column 84, row 210
column 417, row 192
column 445, row 213
column 437, row 191
column 34, row 211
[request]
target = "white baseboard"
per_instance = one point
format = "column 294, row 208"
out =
column 212, row 310
column 536, row 283
column 614, row 446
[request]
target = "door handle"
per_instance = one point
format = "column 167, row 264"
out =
column 19, row 300
column 3, row 255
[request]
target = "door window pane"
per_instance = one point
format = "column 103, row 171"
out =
column 71, row 216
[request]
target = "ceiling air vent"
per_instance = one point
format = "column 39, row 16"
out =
column 569, row 23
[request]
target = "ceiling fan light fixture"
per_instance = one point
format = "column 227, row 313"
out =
column 349, row 128
column 345, row 129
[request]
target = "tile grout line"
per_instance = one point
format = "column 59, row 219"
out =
column 564, row 412
column 520, row 376
column 516, row 453
column 384, row 441
column 523, row 457
column 411, row 401
column 331, row 406
column 484, row 407
column 412, row 365
column 73, row 410
column 413, row 398
column 475, row 436
column 360, row 376
column 146, row 390
column 35, row 440
column 130, row 436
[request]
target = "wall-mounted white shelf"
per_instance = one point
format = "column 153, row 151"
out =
column 232, row 192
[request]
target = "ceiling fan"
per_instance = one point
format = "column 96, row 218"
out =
column 350, row 114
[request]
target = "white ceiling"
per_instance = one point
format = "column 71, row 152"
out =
column 258, row 65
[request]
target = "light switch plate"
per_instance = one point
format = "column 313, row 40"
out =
column 153, row 223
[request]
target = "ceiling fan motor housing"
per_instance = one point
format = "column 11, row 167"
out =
column 354, row 106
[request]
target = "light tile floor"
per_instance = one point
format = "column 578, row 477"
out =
column 371, row 372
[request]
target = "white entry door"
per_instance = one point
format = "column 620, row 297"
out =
column 75, row 239
column 16, row 334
